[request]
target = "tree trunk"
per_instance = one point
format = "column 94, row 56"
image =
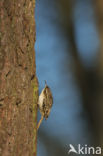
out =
column 99, row 12
column 18, row 82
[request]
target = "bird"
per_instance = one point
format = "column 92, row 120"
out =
column 45, row 103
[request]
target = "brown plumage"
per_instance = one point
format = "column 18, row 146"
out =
column 45, row 103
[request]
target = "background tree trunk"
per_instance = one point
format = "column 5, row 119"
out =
column 18, row 82
column 99, row 12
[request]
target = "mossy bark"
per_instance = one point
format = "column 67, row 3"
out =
column 18, row 82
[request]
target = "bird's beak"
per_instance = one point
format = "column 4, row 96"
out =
column 45, row 83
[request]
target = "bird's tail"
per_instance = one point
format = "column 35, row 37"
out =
column 40, row 121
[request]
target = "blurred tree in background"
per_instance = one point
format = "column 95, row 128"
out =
column 99, row 105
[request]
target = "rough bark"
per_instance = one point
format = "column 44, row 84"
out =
column 18, row 82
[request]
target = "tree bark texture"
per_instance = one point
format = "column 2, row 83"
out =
column 18, row 82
